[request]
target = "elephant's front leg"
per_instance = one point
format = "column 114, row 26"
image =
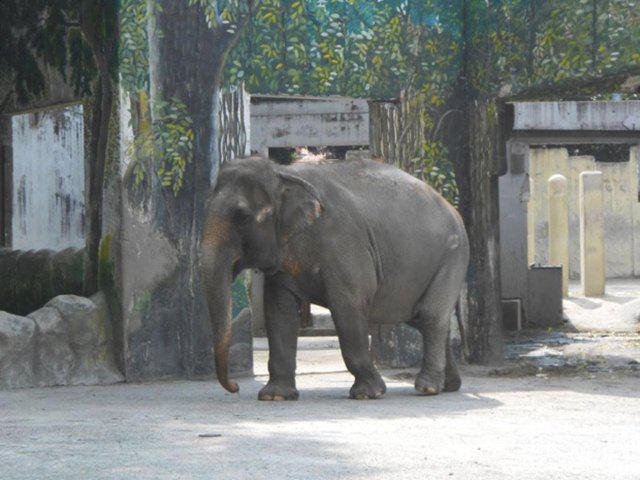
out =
column 282, row 319
column 353, row 332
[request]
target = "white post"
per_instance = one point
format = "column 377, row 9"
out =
column 559, row 227
column 591, row 234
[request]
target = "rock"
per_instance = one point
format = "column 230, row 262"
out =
column 241, row 350
column 241, row 327
column 396, row 346
column 241, row 359
column 17, row 351
column 82, row 317
column 89, row 338
column 67, row 342
column 54, row 358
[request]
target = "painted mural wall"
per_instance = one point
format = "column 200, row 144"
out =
column 48, row 179
column 621, row 208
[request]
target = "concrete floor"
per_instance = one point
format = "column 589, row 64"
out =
column 617, row 311
column 495, row 428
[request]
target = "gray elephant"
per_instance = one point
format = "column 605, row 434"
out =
column 366, row 240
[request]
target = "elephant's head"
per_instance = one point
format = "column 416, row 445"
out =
column 255, row 208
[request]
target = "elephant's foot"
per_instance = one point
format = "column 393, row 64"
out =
column 429, row 384
column 452, row 382
column 368, row 388
column 278, row 392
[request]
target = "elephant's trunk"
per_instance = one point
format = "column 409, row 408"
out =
column 217, row 277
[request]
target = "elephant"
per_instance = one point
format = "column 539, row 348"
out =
column 362, row 238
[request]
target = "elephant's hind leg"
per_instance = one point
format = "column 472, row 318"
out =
column 452, row 381
column 434, row 310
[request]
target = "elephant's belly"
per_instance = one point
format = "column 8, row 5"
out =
column 407, row 276
column 391, row 307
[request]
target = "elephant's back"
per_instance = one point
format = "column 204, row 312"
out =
column 390, row 197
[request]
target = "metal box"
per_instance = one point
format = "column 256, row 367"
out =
column 544, row 303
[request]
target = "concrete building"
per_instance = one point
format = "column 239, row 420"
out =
column 286, row 121
column 536, row 125
column 621, row 206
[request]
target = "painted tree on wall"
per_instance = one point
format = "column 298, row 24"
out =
column 172, row 56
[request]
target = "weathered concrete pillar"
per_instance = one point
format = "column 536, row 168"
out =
column 531, row 224
column 634, row 184
column 559, row 227
column 6, row 173
column 591, row 234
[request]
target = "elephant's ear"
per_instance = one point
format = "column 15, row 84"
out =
column 300, row 205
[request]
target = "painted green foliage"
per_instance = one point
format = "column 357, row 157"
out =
column 239, row 295
column 162, row 132
column 529, row 42
column 370, row 48
column 346, row 47
column 38, row 33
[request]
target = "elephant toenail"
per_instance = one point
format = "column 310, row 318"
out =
column 429, row 391
column 278, row 398
column 266, row 397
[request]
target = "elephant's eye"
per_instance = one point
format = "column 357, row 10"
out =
column 241, row 216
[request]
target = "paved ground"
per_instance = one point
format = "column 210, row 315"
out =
column 496, row 427
column 617, row 311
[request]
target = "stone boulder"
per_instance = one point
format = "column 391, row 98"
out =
column 396, row 346
column 66, row 342
column 89, row 337
column 17, row 348
column 55, row 359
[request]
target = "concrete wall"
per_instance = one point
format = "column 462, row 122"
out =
column 30, row 279
column 622, row 210
column 279, row 121
column 586, row 115
column 514, row 198
column 48, row 179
